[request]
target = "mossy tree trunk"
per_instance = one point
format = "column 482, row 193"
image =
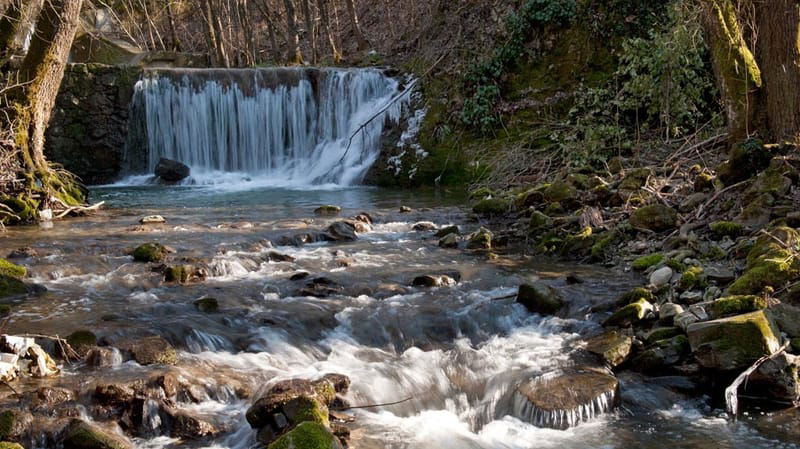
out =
column 755, row 50
column 778, row 54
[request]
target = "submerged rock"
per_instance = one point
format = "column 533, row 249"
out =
column 14, row 424
column 207, row 305
column 171, row 171
column 661, row 354
column 447, row 230
column 564, row 399
column 80, row 434
column 187, row 426
column 540, row 298
column 82, row 341
column 733, row 343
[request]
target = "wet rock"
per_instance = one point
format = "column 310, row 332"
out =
column 661, row 333
column 320, row 288
column 433, row 280
column 405, row 209
column 635, row 295
column 46, row 399
column 340, row 382
column 114, row 395
column 186, row 426
column 151, row 351
column 613, row 346
column 777, row 379
column 720, row 275
column 667, row 312
column 14, row 424
column 80, row 434
column 168, row 382
column 103, row 357
column 327, row 210
column 82, row 341
column 207, row 305
column 288, row 404
column 343, row 231
column 449, row 241
column 447, row 230
column 12, row 270
column 171, row 171
column 662, row 354
column 540, row 298
column 560, row 400
column 573, row 279
column 150, row 252
column 308, row 435
column 299, row 276
column 656, row 217
column 733, row 343
column 152, row 219
column 631, row 314
column 23, row 253
column 735, row 305
column 491, row 207
column 695, row 314
column 480, row 239
column 423, row 226
column 661, row 277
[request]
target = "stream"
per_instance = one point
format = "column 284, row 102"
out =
column 452, row 355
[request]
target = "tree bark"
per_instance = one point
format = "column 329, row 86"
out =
column 322, row 5
column 43, row 70
column 295, row 54
column 360, row 39
column 311, row 32
column 216, row 36
column 737, row 74
column 173, row 33
column 778, row 54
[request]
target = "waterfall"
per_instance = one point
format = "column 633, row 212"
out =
column 283, row 127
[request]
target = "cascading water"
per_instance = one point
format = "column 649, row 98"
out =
column 282, row 127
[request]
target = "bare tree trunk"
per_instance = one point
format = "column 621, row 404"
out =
column 778, row 56
column 176, row 43
column 360, row 39
column 311, row 32
column 737, row 74
column 322, row 5
column 216, row 35
column 295, row 53
column 211, row 36
column 248, row 33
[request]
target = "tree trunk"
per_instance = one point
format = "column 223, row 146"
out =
column 216, row 36
column 778, row 54
column 173, row 33
column 311, row 32
column 737, row 74
column 322, row 5
column 43, row 68
column 293, row 39
column 360, row 39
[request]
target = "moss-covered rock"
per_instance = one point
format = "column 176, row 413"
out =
column 745, row 160
column 453, row 229
column 307, row 435
column 150, row 252
column 482, row 193
column 656, row 217
column 635, row 179
column 726, row 229
column 703, row 182
column 769, row 263
column 14, row 424
column 327, row 210
column 613, row 346
column 540, row 298
column 645, row 262
column 153, row 350
column 11, row 286
column 539, row 221
column 80, row 434
column 661, row 333
column 207, row 305
column 559, row 192
column 603, row 245
column 578, row 244
column 634, row 295
column 735, row 305
column 662, row 354
column 733, row 343
column 480, row 239
column 693, row 277
column 12, row 270
column 8, row 445
column 491, row 207
column 629, row 315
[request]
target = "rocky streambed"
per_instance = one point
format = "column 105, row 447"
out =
column 390, row 321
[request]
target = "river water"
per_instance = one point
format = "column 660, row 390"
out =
column 453, row 355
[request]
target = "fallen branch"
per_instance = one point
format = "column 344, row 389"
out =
column 732, row 392
column 702, row 207
column 373, row 405
column 67, row 352
column 72, row 209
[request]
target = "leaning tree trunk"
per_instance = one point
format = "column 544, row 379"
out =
column 779, row 58
column 31, row 105
column 322, row 5
column 737, row 74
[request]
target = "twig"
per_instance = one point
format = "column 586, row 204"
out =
column 66, row 349
column 80, row 209
column 373, row 405
column 10, row 387
column 731, row 393
column 702, row 207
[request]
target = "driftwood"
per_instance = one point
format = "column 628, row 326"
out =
column 67, row 352
column 71, row 209
column 732, row 392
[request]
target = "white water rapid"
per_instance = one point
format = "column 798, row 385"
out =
column 285, row 127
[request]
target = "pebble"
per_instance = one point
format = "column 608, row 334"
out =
column 661, row 277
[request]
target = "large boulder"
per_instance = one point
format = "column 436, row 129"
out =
column 733, row 343
column 80, row 434
column 656, row 217
column 540, row 298
column 171, row 171
column 661, row 354
column 343, row 231
column 564, row 399
column 777, row 378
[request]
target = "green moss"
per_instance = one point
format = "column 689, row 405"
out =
column 82, row 435
column 481, row 239
column 150, row 252
column 703, row 182
column 635, row 179
column 656, row 217
column 10, row 286
column 733, row 343
column 82, row 339
column 726, row 229
column 676, row 265
column 745, row 160
column 207, row 305
column 576, row 245
column 178, row 273
column 601, row 246
column 645, row 262
column 735, row 305
column 630, row 314
column 560, row 191
column 662, row 333
column 308, row 410
column 7, row 445
column 491, row 206
column 12, row 270
column 308, row 435
column 7, row 420
column 693, row 277
column 539, row 220
column 638, row 293
column 769, row 264
column 482, row 193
